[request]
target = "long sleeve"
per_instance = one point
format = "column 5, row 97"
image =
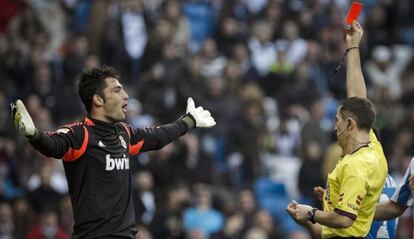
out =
column 68, row 143
column 153, row 138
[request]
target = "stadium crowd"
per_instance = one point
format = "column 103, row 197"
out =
column 264, row 68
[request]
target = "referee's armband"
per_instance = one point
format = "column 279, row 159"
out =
column 346, row 214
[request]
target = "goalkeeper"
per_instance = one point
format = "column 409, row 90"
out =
column 96, row 151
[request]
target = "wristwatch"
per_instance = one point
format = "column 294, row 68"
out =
column 311, row 215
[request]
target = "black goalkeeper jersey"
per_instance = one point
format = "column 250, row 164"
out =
column 96, row 160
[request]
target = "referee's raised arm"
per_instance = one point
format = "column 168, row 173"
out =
column 354, row 79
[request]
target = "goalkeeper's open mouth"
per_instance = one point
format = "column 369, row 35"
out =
column 124, row 108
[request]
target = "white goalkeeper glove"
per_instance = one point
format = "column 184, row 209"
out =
column 22, row 119
column 202, row 118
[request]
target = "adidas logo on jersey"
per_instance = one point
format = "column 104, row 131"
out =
column 101, row 144
column 116, row 163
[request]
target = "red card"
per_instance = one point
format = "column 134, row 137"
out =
column 353, row 12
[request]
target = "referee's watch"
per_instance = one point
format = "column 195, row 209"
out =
column 311, row 215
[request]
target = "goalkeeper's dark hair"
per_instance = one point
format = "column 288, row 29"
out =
column 362, row 110
column 92, row 81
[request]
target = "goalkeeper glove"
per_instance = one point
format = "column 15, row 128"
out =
column 202, row 118
column 22, row 119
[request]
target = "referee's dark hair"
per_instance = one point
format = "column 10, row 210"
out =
column 92, row 81
column 362, row 110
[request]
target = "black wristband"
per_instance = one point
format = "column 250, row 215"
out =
column 189, row 120
column 343, row 58
column 312, row 213
column 348, row 49
column 35, row 136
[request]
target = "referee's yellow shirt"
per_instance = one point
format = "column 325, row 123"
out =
column 353, row 189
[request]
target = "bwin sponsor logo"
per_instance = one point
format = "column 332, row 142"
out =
column 116, row 163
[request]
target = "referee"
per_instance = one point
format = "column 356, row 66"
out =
column 96, row 152
column 355, row 185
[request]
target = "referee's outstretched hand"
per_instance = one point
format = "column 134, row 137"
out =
column 21, row 119
column 202, row 118
column 354, row 35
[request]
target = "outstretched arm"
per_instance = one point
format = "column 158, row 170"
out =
column 354, row 79
column 388, row 210
column 153, row 138
column 67, row 142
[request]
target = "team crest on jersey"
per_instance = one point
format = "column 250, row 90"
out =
column 122, row 141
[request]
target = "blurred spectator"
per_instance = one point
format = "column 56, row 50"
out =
column 264, row 221
column 8, row 173
column 8, row 11
column 24, row 29
column 233, row 228
column 240, row 54
column 6, row 220
column 192, row 82
column 314, row 129
column 378, row 24
column 57, row 178
column 202, row 219
column 310, row 173
column 23, row 216
column 75, row 58
column 168, row 165
column 286, row 139
column 144, row 198
column 134, row 36
column 245, row 145
column 385, row 69
column 95, row 27
column 222, row 106
column 42, row 84
column 295, row 46
column 47, row 227
column 248, row 207
column 55, row 29
column 316, row 70
column 65, row 214
column 407, row 82
column 201, row 16
column 214, row 63
column 198, row 158
column 230, row 33
column 263, row 51
column 196, row 234
column 168, row 222
column 180, row 25
column 160, row 35
column 256, row 233
column 3, row 107
column 307, row 24
column 44, row 195
column 135, row 115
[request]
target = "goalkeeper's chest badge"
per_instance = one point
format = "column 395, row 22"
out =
column 122, row 141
